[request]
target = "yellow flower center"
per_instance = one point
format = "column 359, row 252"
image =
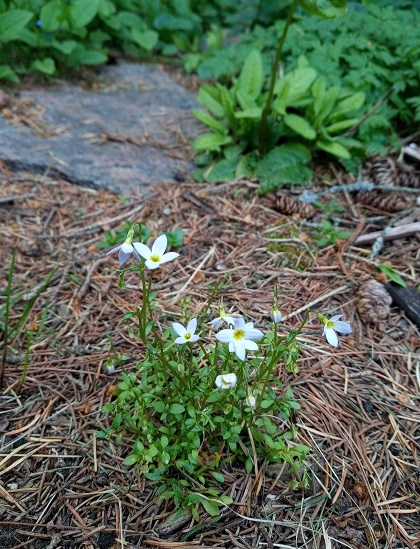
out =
column 187, row 336
column 225, row 383
column 329, row 324
column 155, row 258
column 238, row 335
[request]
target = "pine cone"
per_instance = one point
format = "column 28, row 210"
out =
column 408, row 178
column 373, row 302
column 383, row 201
column 288, row 205
column 382, row 171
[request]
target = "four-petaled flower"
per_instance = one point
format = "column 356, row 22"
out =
column 217, row 322
column 186, row 335
column 333, row 325
column 226, row 381
column 126, row 249
column 239, row 337
column 156, row 255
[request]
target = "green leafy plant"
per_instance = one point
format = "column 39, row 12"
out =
column 196, row 402
column 328, row 234
column 392, row 274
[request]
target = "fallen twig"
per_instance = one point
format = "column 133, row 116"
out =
column 389, row 234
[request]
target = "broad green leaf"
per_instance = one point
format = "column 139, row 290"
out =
column 66, row 47
column 294, row 87
column 83, row 12
column 176, row 409
column 211, row 508
column 392, row 274
column 218, row 476
column 92, row 57
column 209, row 121
column 29, row 37
column 300, row 125
column 12, row 22
column 324, row 8
column 130, row 460
column 245, row 100
column 284, row 164
column 325, row 101
column 210, row 141
column 46, row 65
column 6, row 73
column 253, row 113
column 224, row 170
column 334, row 148
column 131, row 20
column 228, row 102
column 50, row 15
column 343, row 125
column 251, row 79
column 352, row 103
column 207, row 98
column 146, row 39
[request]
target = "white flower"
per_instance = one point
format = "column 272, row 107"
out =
column 239, row 337
column 334, row 325
column 186, row 335
column 275, row 314
column 217, row 322
column 226, row 381
column 156, row 255
column 126, row 249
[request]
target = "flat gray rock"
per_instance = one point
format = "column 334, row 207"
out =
column 127, row 134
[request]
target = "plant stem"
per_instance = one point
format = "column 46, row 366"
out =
column 274, row 69
column 6, row 320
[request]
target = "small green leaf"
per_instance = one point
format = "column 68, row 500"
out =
column 224, row 170
column 218, row 476
column 324, row 8
column 300, row 126
column 147, row 39
column 211, row 508
column 92, row 57
column 130, row 460
column 210, row 141
column 333, row 147
column 175, row 238
column 207, row 97
column 209, row 121
column 83, row 12
column 176, row 409
column 8, row 74
column 46, row 65
column 392, row 274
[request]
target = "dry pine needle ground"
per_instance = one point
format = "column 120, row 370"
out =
column 59, row 487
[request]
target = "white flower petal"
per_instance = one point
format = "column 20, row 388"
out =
column 230, row 321
column 192, row 326
column 179, row 328
column 336, row 317
column 142, row 249
column 126, row 248
column 194, row 338
column 225, row 336
column 152, row 264
column 239, row 347
column 216, row 323
column 180, row 340
column 230, row 378
column 168, row 257
column 160, row 245
column 253, row 333
column 250, row 345
column 231, row 347
column 122, row 256
column 113, row 250
column 239, row 323
column 331, row 337
column 342, row 327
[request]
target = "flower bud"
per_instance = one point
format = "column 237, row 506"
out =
column 250, row 400
column 276, row 314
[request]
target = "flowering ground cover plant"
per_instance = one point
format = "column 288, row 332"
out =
column 205, row 397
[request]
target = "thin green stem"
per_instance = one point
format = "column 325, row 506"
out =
column 273, row 78
column 6, row 319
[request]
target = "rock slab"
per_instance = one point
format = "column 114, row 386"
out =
column 128, row 133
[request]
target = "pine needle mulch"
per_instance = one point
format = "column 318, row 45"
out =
column 62, row 487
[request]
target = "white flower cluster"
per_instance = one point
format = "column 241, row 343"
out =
column 239, row 335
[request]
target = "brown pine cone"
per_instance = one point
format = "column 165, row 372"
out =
column 408, row 178
column 382, row 170
column 288, row 205
column 373, row 301
column 383, row 201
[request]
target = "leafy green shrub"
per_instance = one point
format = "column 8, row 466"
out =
column 305, row 115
